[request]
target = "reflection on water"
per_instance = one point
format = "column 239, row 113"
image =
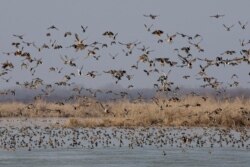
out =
column 126, row 157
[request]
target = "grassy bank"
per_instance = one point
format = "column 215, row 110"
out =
column 189, row 111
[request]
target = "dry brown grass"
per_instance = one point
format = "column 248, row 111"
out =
column 190, row 111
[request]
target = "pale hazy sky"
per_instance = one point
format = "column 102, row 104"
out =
column 33, row 17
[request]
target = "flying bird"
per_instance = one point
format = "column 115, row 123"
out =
column 84, row 28
column 217, row 16
column 151, row 16
column 228, row 28
column 157, row 32
column 243, row 26
column 53, row 27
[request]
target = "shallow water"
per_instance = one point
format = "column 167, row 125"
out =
column 139, row 157
column 36, row 143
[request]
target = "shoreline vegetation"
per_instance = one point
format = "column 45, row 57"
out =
column 189, row 111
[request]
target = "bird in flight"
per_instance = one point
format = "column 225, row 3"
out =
column 84, row 28
column 157, row 32
column 217, row 16
column 67, row 34
column 79, row 71
column 18, row 36
column 151, row 16
column 148, row 28
column 243, row 26
column 228, row 28
column 53, row 27
column 170, row 38
column 110, row 34
column 113, row 56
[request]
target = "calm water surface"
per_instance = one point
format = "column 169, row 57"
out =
column 139, row 157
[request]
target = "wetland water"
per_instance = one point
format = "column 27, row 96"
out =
column 139, row 157
column 37, row 142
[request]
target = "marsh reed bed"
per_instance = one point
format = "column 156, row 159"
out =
column 190, row 111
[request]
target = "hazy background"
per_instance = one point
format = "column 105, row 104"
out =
column 32, row 18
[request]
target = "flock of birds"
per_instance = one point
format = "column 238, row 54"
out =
column 35, row 136
column 69, row 67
